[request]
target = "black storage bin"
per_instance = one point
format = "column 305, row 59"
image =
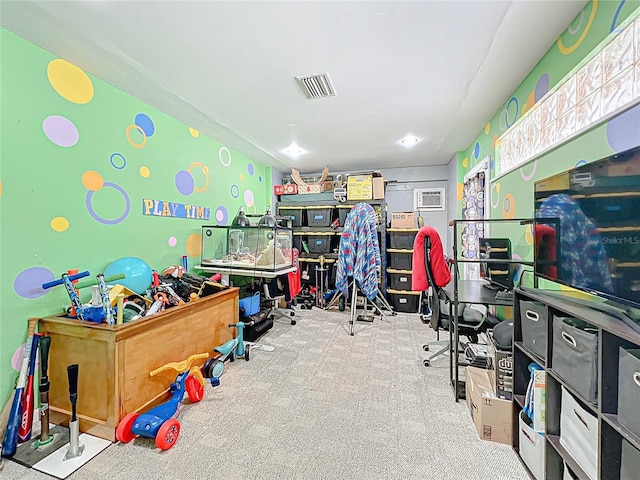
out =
column 342, row 214
column 399, row 279
column 294, row 213
column 629, row 390
column 533, row 318
column 319, row 217
column 319, row 243
column 263, row 325
column 297, row 243
column 402, row 238
column 630, row 463
column 404, row 301
column 575, row 356
column 400, row 260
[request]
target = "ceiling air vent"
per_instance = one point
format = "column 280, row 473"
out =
column 316, row 86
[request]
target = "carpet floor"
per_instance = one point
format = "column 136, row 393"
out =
column 323, row 405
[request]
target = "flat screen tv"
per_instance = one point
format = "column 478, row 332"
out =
column 587, row 233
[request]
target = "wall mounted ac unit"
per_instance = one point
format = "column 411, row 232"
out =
column 429, row 199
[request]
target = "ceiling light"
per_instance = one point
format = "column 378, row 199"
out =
column 409, row 141
column 294, row 151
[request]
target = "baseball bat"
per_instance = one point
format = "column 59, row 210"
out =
column 45, row 343
column 26, row 409
column 10, row 442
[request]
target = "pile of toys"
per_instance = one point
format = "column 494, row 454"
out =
column 128, row 289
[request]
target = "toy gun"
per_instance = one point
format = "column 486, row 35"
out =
column 67, row 280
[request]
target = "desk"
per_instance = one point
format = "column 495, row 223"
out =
column 471, row 292
column 245, row 272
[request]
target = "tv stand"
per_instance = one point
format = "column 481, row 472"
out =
column 618, row 312
column 611, row 435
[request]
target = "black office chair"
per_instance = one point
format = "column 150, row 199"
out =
column 471, row 322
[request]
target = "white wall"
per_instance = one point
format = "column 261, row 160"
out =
column 403, row 181
column 452, row 201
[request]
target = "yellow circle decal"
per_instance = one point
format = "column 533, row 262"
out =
column 567, row 50
column 92, row 181
column 144, row 172
column 69, row 81
column 194, row 245
column 205, row 170
column 242, row 177
column 508, row 206
column 528, row 235
column 465, row 162
column 128, row 134
column 194, row 133
column 487, row 128
column 0, row 189
column 59, row 224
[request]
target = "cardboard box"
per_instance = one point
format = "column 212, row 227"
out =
column 288, row 189
column 491, row 415
column 539, row 400
column 403, row 220
column 501, row 365
column 365, row 187
column 314, row 188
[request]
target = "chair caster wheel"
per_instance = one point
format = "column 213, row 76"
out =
column 303, row 307
column 293, row 322
column 427, row 363
column 292, row 314
column 425, row 348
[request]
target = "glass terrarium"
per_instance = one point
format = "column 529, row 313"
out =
column 247, row 247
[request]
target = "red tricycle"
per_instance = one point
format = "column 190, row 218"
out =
column 161, row 422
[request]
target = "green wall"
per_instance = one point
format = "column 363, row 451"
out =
column 511, row 196
column 78, row 158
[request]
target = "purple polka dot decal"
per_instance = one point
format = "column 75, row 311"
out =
column 185, row 182
column 16, row 359
column 250, row 169
column 143, row 121
column 249, row 198
column 542, row 87
column 222, row 215
column 28, row 283
column 60, row 130
column 623, row 131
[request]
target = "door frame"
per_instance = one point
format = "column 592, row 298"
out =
column 472, row 270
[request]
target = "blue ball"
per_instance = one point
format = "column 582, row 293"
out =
column 138, row 273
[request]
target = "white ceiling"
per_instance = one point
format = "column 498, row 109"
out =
column 436, row 69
